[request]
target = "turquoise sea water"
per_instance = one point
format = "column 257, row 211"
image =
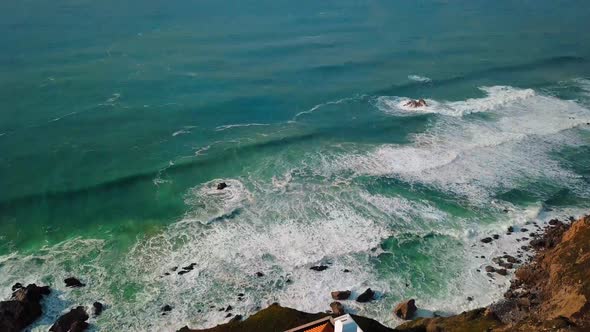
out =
column 118, row 120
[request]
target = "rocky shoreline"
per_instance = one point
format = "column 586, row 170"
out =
column 549, row 292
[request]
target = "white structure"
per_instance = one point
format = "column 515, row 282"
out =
column 345, row 323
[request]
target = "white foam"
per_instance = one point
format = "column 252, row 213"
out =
column 240, row 125
column 418, row 78
column 476, row 158
column 210, row 203
column 318, row 106
column 496, row 96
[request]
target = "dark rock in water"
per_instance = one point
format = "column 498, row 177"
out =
column 502, row 272
column 486, row 240
column 469, row 298
column 221, row 186
column 340, row 295
column 366, row 296
column 174, row 268
column 572, row 219
column 346, row 270
column 496, row 236
column 240, row 294
column 319, row 268
column 490, row 269
column 183, row 272
column 259, row 274
column 16, row 286
column 289, row 281
column 229, row 308
column 553, row 222
column 23, row 309
column 236, row 318
column 189, row 267
column 229, row 315
column 406, row 310
column 524, row 229
column 337, row 308
column 511, row 259
column 166, row 308
column 73, row 282
column 98, row 307
column 75, row 320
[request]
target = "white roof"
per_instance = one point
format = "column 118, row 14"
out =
column 345, row 323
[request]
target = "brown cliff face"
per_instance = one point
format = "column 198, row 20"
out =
column 551, row 293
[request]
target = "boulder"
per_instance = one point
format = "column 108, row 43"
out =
column 366, row 296
column 406, row 310
column 486, row 240
column 221, row 186
column 73, row 282
column 337, row 308
column 341, row 295
column 74, row 320
column 23, row 309
column 98, row 307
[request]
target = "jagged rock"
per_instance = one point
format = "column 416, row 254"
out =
column 23, row 309
column 490, row 269
column 319, row 268
column 16, row 286
column 98, row 307
column 74, row 320
column 406, row 310
column 486, row 240
column 73, row 282
column 337, row 308
column 236, row 318
column 221, row 186
column 502, row 272
column 341, row 295
column 259, row 274
column 346, row 270
column 496, row 236
column 366, row 296
column 167, row 308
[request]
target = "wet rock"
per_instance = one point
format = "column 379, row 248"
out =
column 366, row 296
column 229, row 308
column 337, row 308
column 341, row 295
column 16, row 286
column 237, row 318
column 221, row 186
column 469, row 298
column 524, row 230
column 73, row 282
column 229, row 315
column 166, row 308
column 189, row 267
column 23, row 308
column 346, row 270
column 486, row 240
column 502, row 272
column 319, row 268
column 98, row 307
column 259, row 274
column 181, row 272
column 496, row 236
column 510, row 229
column 553, row 222
column 406, row 310
column 74, row 320
column 490, row 269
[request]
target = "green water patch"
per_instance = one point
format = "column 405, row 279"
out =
column 425, row 264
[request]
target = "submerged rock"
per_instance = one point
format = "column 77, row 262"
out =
column 366, row 296
column 73, row 282
column 406, row 310
column 23, row 309
column 319, row 268
column 74, row 320
column 340, row 295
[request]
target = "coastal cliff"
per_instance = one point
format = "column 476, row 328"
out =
column 549, row 293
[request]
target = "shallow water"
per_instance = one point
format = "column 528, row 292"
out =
column 118, row 121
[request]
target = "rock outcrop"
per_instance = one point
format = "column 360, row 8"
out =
column 406, row 310
column 72, row 321
column 23, row 308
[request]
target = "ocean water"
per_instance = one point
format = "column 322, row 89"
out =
column 118, row 119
